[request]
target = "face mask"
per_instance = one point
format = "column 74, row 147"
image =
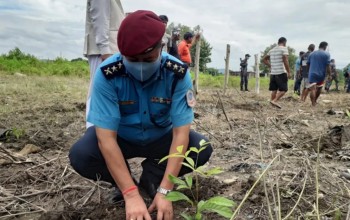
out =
column 142, row 71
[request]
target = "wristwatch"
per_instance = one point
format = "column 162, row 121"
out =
column 163, row 191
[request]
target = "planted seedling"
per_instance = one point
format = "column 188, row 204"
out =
column 217, row 204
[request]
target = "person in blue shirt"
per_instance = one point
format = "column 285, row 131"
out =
column 318, row 65
column 142, row 106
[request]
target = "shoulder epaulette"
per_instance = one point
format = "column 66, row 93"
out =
column 178, row 68
column 114, row 69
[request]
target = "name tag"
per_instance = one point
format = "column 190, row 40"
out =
column 161, row 100
column 127, row 102
column 304, row 63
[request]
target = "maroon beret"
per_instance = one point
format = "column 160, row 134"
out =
column 139, row 33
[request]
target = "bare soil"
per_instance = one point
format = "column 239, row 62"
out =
column 46, row 116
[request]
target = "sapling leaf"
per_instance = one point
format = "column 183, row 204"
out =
column 186, row 217
column 221, row 210
column 222, row 201
column 202, row 142
column 187, row 165
column 198, row 216
column 177, row 196
column 202, row 149
column 347, row 113
column 190, row 161
column 176, row 180
column 175, row 155
column 189, row 181
column 194, row 149
column 200, row 172
column 180, row 149
column 200, row 205
column 214, row 171
column 200, row 168
column 182, row 187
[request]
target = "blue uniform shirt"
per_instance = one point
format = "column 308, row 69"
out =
column 318, row 62
column 140, row 112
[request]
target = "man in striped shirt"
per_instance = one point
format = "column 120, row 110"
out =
column 277, row 60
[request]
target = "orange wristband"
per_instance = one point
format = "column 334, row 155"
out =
column 129, row 190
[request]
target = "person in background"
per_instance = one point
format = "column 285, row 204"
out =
column 185, row 45
column 166, row 40
column 347, row 79
column 103, row 18
column 333, row 76
column 172, row 46
column 297, row 76
column 318, row 65
column 277, row 60
column 305, row 72
column 244, row 72
column 142, row 106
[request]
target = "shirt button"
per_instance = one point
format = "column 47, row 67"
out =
column 144, row 112
column 144, row 129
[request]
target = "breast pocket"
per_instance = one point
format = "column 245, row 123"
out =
column 160, row 114
column 128, row 108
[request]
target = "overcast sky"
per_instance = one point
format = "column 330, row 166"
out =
column 51, row 28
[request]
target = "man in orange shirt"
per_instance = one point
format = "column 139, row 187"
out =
column 185, row 46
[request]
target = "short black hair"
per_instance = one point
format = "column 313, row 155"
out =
column 188, row 35
column 282, row 40
column 164, row 18
column 311, row 47
column 323, row 45
column 301, row 53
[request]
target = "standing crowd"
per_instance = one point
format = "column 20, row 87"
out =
column 313, row 70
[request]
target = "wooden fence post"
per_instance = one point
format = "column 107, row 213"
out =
column 196, row 68
column 227, row 66
column 257, row 73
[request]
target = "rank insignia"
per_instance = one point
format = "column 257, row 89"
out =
column 178, row 68
column 114, row 69
column 190, row 98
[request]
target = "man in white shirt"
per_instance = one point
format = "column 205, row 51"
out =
column 166, row 40
column 277, row 60
column 103, row 18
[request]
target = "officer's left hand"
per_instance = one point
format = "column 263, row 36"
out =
column 163, row 206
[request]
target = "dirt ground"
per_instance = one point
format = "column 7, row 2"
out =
column 45, row 116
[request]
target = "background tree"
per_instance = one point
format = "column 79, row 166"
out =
column 291, row 59
column 205, row 52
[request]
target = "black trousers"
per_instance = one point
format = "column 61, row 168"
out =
column 244, row 80
column 86, row 157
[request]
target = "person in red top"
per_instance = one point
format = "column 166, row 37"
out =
column 185, row 46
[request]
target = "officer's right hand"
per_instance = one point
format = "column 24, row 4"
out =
column 135, row 207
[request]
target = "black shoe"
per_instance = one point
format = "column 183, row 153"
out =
column 149, row 188
column 115, row 196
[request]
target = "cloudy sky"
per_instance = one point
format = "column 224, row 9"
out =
column 51, row 28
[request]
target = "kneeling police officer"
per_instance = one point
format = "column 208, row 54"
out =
column 141, row 106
